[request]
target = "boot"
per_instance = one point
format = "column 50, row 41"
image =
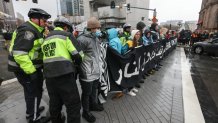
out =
column 144, row 76
column 41, row 109
column 138, row 86
column 117, row 95
column 41, row 120
column 88, row 116
column 96, row 107
column 141, row 81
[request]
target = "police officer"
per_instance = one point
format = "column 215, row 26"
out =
column 25, row 60
column 126, row 34
column 60, row 55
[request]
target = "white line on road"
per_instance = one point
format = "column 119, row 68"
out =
column 192, row 109
column 9, row 81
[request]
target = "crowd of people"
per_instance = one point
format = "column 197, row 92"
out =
column 60, row 58
column 186, row 37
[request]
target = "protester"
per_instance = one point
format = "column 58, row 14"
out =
column 89, row 72
column 115, row 42
column 59, row 69
column 141, row 27
column 194, row 38
column 215, row 35
column 155, row 37
column 26, row 62
column 147, row 39
column 136, row 35
column 155, row 32
column 163, row 33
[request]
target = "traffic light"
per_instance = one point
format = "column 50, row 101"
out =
column 128, row 6
column 113, row 5
column 35, row 1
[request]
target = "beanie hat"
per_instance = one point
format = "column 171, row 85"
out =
column 140, row 25
column 133, row 33
column 153, row 25
column 93, row 23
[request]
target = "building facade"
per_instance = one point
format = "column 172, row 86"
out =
column 73, row 10
column 208, row 16
column 118, row 16
column 7, row 16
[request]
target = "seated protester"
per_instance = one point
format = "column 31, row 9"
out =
column 147, row 39
column 115, row 42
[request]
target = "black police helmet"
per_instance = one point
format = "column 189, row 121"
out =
column 63, row 21
column 38, row 13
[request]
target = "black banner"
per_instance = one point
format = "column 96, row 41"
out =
column 126, row 70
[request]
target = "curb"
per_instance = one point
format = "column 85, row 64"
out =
column 192, row 109
column 8, row 81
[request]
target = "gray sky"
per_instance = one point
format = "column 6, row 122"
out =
column 176, row 9
column 24, row 6
column 167, row 9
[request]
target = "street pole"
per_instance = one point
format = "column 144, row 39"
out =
column 57, row 8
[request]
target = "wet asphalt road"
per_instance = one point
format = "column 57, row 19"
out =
column 204, row 72
column 4, row 74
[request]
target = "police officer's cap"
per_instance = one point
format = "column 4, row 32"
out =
column 38, row 13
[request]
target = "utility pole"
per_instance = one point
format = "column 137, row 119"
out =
column 57, row 8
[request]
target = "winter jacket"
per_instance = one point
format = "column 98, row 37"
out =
column 155, row 36
column 60, row 50
column 147, row 41
column 89, row 68
column 25, row 51
column 115, row 42
column 124, row 38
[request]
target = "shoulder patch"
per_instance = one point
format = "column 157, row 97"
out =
column 28, row 35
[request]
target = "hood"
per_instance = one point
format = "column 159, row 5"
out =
column 112, row 33
column 133, row 33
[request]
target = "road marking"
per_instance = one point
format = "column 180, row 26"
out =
column 9, row 81
column 192, row 109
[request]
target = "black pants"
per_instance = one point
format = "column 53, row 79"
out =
column 63, row 90
column 89, row 94
column 32, row 92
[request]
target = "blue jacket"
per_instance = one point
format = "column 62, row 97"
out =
column 147, row 41
column 114, row 41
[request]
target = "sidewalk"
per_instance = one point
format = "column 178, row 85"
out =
column 160, row 99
